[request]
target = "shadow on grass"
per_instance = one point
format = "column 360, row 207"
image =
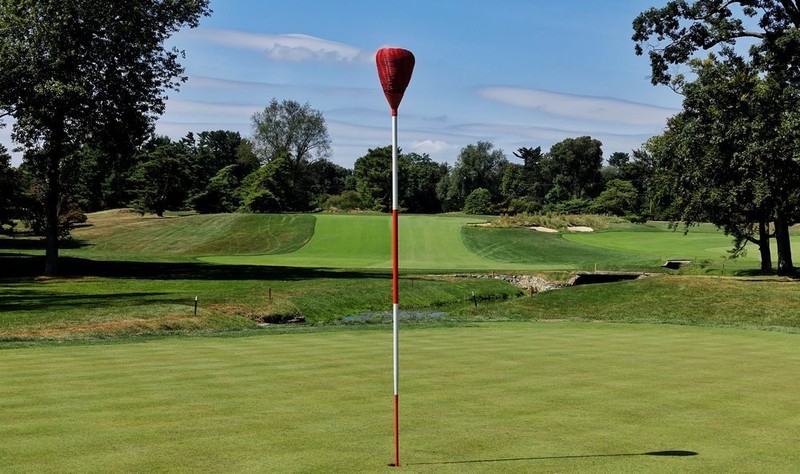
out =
column 758, row 273
column 670, row 453
column 30, row 300
column 28, row 266
column 27, row 243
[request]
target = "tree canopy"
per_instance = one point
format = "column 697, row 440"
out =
column 672, row 34
column 291, row 130
column 77, row 73
column 730, row 156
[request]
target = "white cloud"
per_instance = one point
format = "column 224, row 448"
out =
column 290, row 47
column 435, row 147
column 205, row 110
column 594, row 109
column 207, row 82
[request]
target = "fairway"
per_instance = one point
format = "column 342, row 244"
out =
column 543, row 397
column 363, row 241
column 428, row 243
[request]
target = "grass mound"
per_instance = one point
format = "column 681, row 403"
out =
column 427, row 243
column 126, row 233
column 545, row 251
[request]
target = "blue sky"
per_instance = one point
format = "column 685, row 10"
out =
column 517, row 73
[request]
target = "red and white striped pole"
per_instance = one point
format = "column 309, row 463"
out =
column 395, row 66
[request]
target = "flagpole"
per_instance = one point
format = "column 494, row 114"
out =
column 395, row 66
column 395, row 294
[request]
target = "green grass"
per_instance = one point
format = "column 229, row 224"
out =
column 124, row 234
column 89, row 383
column 149, row 286
column 428, row 243
column 704, row 244
column 543, row 251
column 159, row 299
column 512, row 397
column 691, row 300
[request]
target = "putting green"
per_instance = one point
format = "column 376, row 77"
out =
column 509, row 397
column 364, row 241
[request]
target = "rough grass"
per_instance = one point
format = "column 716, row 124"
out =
column 513, row 397
column 770, row 303
column 560, row 221
column 154, row 303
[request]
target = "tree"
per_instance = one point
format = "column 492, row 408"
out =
column 373, row 177
column 576, row 165
column 76, row 72
column 768, row 69
column 725, row 158
column 296, row 133
column 479, row 201
column 222, row 194
column 524, row 186
column 619, row 159
column 99, row 178
column 618, row 198
column 219, row 160
column 327, row 179
column 269, row 188
column 674, row 33
column 478, row 166
column 417, row 180
column 289, row 129
column 161, row 179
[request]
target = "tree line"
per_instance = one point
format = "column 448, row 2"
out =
column 85, row 81
column 284, row 167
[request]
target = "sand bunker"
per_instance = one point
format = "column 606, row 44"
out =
column 580, row 229
column 544, row 229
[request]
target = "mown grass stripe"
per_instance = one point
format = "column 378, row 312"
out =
column 516, row 397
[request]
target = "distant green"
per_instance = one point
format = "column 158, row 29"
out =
column 656, row 240
column 364, row 241
column 428, row 243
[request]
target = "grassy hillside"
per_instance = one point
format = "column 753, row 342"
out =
column 123, row 233
column 543, row 251
column 427, row 243
column 133, row 275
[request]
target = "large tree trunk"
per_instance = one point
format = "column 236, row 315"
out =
column 763, row 247
column 52, row 201
column 785, row 264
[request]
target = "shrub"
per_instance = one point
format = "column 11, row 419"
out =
column 478, row 202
